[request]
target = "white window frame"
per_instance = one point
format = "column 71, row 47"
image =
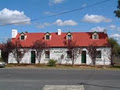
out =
column 24, row 36
column 69, row 33
column 49, row 36
column 48, row 55
column 93, row 36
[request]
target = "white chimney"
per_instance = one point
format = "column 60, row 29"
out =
column 59, row 31
column 14, row 33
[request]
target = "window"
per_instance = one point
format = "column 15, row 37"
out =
column 69, row 37
column 47, row 54
column 69, row 54
column 47, row 36
column 95, row 36
column 22, row 37
column 98, row 54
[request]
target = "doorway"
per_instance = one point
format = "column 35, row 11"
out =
column 83, row 57
column 33, row 56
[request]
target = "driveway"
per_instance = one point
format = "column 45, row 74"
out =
column 36, row 79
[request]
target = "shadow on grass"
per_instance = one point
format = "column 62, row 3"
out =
column 116, row 66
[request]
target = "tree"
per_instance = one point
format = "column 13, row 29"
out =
column 117, row 12
column 39, row 46
column 114, row 49
column 119, row 51
column 17, row 51
column 73, row 50
column 92, row 51
column 6, row 49
column 13, row 48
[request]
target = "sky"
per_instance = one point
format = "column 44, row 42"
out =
column 28, row 15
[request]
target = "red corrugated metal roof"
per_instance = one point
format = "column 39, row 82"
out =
column 81, row 38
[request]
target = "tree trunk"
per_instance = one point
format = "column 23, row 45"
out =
column 94, row 62
column 112, row 64
column 18, row 61
column 73, row 59
column 39, row 59
column 72, row 62
column 5, row 59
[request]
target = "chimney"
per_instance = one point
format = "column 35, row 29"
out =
column 59, row 31
column 105, row 31
column 14, row 33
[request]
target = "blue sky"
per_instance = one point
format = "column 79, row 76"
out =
column 96, row 18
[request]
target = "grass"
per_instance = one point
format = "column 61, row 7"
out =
column 44, row 66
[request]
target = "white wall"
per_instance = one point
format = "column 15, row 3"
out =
column 0, row 53
column 56, row 53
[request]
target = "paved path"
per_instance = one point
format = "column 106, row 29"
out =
column 36, row 79
column 63, row 87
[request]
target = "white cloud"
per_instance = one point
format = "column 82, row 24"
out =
column 84, row 5
column 59, row 22
column 118, row 28
column 95, row 18
column 115, row 36
column 49, row 13
column 98, row 29
column 43, row 25
column 13, row 16
column 52, row 2
column 112, row 27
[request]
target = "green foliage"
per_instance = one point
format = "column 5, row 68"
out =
column 115, row 49
column 115, row 46
column 52, row 62
column 117, row 12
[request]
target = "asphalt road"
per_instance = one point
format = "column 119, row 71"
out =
column 36, row 79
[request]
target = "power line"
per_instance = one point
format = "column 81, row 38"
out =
column 70, row 11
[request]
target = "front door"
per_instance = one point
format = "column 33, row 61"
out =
column 33, row 57
column 83, row 57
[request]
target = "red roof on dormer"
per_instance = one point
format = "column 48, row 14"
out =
column 81, row 38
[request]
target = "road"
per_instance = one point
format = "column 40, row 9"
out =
column 36, row 79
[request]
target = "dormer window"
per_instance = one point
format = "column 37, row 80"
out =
column 69, row 36
column 95, row 36
column 23, row 36
column 47, row 36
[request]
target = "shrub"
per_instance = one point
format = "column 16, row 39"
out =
column 1, row 59
column 52, row 62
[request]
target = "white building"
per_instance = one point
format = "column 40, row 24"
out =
column 58, row 50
